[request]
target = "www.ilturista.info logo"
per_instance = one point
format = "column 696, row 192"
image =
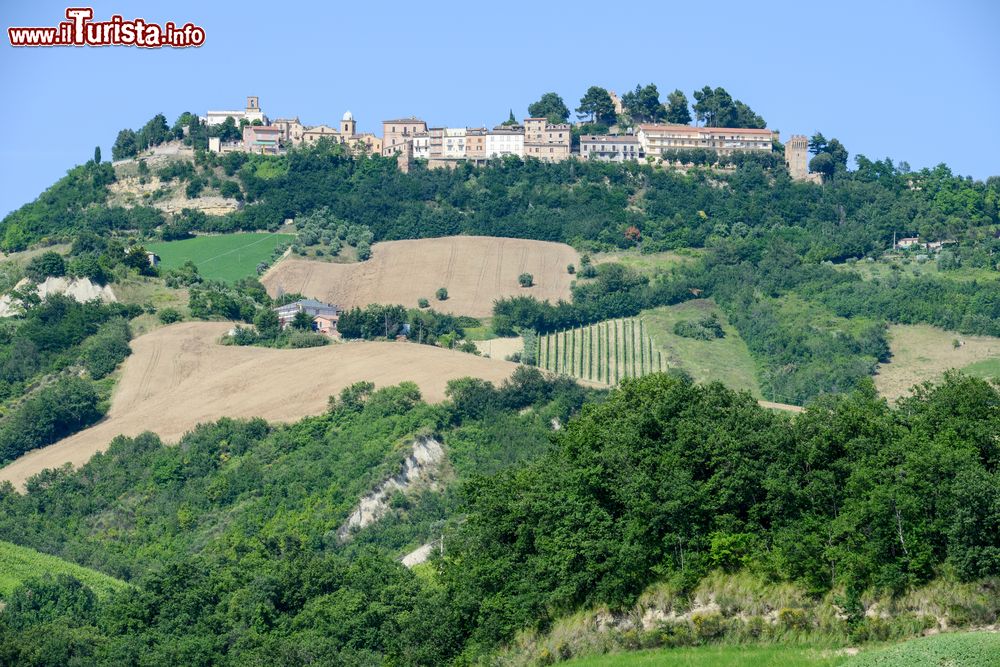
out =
column 80, row 30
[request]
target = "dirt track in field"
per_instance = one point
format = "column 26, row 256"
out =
column 179, row 376
column 475, row 270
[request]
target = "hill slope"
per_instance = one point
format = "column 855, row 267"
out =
column 178, row 377
column 19, row 563
column 475, row 270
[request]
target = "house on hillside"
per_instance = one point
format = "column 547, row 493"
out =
column 324, row 315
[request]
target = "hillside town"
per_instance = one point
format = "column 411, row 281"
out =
column 410, row 139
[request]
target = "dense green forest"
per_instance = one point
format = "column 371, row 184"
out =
column 42, row 355
column 231, row 536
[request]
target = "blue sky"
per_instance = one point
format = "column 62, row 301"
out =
column 915, row 81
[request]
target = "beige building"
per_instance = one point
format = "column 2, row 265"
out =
column 371, row 144
column 475, row 143
column 291, row 130
column 400, row 131
column 656, row 138
column 545, row 141
column 251, row 113
column 610, row 147
column 313, row 134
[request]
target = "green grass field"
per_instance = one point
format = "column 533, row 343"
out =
column 650, row 264
column 960, row 649
column 724, row 359
column 223, row 257
column 604, row 352
column 988, row 369
column 19, row 563
column 718, row 656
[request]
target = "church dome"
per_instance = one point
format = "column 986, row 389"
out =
column 348, row 116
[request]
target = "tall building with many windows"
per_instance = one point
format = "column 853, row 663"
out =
column 396, row 133
column 545, row 141
column 656, row 139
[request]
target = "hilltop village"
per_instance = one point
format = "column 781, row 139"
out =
column 411, row 139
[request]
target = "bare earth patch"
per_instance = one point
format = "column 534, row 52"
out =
column 475, row 270
column 179, row 376
column 921, row 352
column 500, row 348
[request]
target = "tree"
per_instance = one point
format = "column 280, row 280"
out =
column 526, row 280
column 550, row 106
column 228, row 131
column 678, row 111
column 596, row 105
column 643, row 104
column 838, row 153
column 717, row 108
column 126, row 145
column 817, row 143
column 511, row 121
column 49, row 263
column 154, row 132
column 570, row 269
column 267, row 323
column 169, row 315
column 138, row 258
column 97, row 155
column 423, row 303
column 302, row 321
column 822, row 164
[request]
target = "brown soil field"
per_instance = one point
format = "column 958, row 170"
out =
column 921, row 352
column 475, row 270
column 179, row 376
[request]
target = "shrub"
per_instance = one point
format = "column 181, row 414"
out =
column 47, row 264
column 526, row 280
column 169, row 315
column 103, row 351
column 441, row 294
column 706, row 328
column 793, row 618
column 570, row 269
column 708, row 625
column 423, row 303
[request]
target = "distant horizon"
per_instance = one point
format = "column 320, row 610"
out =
column 886, row 80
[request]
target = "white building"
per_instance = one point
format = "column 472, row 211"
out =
column 250, row 114
column 502, row 141
column 421, row 146
column 453, row 143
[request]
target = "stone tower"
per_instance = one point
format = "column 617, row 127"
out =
column 797, row 157
column 348, row 126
